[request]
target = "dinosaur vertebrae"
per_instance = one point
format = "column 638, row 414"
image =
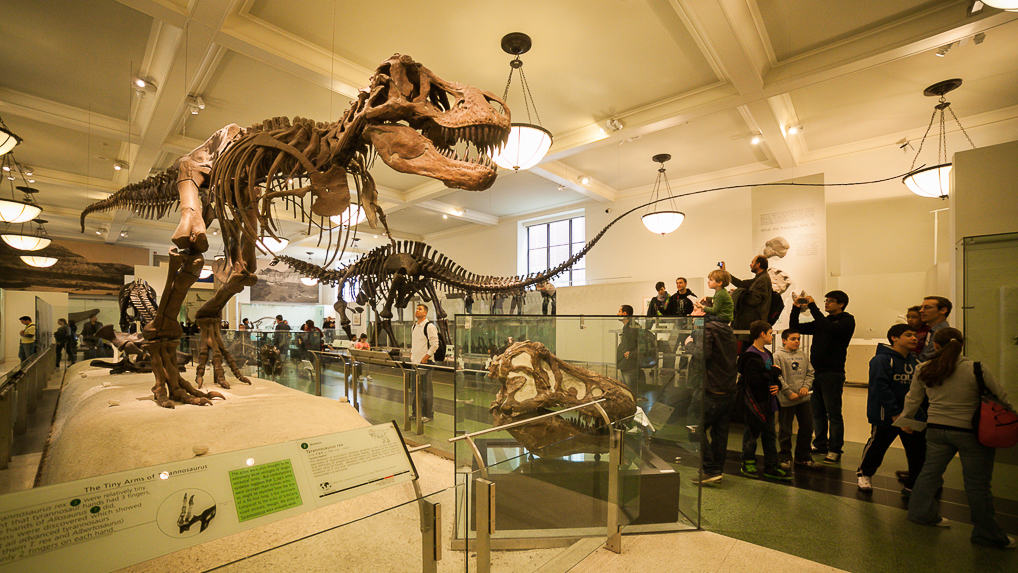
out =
column 151, row 198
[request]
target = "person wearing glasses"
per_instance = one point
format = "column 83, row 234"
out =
column 831, row 335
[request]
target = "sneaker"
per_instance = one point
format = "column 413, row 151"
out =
column 832, row 458
column 906, row 492
column 865, row 484
column 706, row 479
column 819, row 450
column 426, row 419
column 943, row 522
column 902, row 475
column 810, row 464
column 748, row 469
column 786, row 465
column 777, row 474
column 1011, row 543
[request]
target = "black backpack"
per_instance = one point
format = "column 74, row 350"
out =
column 440, row 352
column 646, row 347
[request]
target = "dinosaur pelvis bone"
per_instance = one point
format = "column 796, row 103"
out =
column 331, row 191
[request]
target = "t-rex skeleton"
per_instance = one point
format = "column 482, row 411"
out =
column 408, row 116
column 533, row 381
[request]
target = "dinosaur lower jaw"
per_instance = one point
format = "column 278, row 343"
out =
column 408, row 151
column 557, row 436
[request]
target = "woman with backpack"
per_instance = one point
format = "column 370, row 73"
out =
column 949, row 381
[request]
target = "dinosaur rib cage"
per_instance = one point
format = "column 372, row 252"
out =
column 273, row 162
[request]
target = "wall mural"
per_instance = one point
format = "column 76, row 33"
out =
column 282, row 286
column 82, row 268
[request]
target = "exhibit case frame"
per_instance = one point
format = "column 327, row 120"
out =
column 564, row 494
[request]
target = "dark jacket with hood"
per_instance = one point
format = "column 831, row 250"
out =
column 890, row 377
column 719, row 358
column 758, row 375
column 752, row 300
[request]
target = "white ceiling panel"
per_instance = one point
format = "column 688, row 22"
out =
column 514, row 194
column 82, row 54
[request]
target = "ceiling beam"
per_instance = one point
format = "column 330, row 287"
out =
column 568, row 177
column 458, row 212
column 61, row 115
column 926, row 31
column 727, row 30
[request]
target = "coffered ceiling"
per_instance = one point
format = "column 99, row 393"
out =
column 693, row 78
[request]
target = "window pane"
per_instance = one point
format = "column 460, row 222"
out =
column 538, row 236
column 580, row 264
column 578, row 229
column 558, row 233
column 538, row 260
column 561, row 281
column 579, row 277
column 577, row 247
column 558, row 255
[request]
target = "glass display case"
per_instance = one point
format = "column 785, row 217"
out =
column 562, row 490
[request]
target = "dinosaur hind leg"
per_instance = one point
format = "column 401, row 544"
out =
column 209, row 319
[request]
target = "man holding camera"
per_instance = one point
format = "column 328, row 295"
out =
column 753, row 299
column 831, row 335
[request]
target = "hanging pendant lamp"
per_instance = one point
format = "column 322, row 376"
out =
column 8, row 139
column 308, row 281
column 935, row 180
column 33, row 240
column 528, row 142
column 662, row 221
column 38, row 261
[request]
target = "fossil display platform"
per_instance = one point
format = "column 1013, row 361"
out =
column 107, row 423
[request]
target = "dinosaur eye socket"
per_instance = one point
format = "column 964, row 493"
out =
column 497, row 105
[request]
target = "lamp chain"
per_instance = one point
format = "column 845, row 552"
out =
column 961, row 127
column 923, row 140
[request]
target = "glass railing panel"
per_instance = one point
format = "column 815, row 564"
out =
column 386, row 539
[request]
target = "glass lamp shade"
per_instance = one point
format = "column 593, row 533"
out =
column 206, row 272
column 26, row 242
column 7, row 140
column 17, row 211
column 353, row 213
column 525, row 148
column 38, row 261
column 930, row 182
column 308, row 281
column 273, row 245
column 1009, row 5
column 663, row 222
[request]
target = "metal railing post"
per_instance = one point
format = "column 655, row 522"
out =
column 347, row 361
column 419, row 426
column 484, row 512
column 406, row 398
column 431, row 535
column 613, row 541
column 355, row 382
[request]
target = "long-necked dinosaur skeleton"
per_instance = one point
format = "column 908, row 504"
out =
column 415, row 121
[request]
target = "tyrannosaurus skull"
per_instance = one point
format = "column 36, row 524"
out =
column 533, row 381
column 424, row 125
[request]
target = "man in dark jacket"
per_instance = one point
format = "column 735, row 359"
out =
column 680, row 303
column 626, row 355
column 658, row 303
column 831, row 335
column 891, row 372
column 90, row 336
column 719, row 356
column 753, row 299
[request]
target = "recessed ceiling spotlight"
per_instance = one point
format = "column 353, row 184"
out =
column 143, row 86
column 943, row 50
column 756, row 139
column 794, row 129
column 123, row 234
column 195, row 104
column 98, row 231
column 7, row 168
column 29, row 171
column 561, row 187
column 119, row 165
column 583, row 180
column 613, row 124
column 444, row 216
